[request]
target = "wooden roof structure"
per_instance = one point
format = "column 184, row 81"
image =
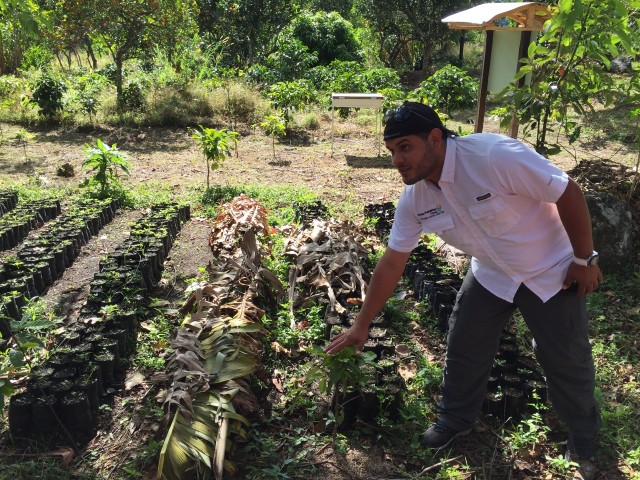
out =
column 528, row 15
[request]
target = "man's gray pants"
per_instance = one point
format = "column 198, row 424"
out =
column 560, row 331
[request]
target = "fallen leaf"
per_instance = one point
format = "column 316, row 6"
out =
column 133, row 379
column 407, row 371
column 278, row 384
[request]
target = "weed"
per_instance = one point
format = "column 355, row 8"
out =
column 307, row 327
column 561, row 465
column 529, row 432
column 153, row 339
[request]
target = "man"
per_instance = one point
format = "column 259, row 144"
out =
column 528, row 229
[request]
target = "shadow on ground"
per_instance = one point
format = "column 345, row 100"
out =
column 383, row 161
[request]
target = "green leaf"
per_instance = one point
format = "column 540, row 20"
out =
column 17, row 358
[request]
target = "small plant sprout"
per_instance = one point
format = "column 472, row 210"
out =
column 22, row 138
column 105, row 162
column 215, row 145
column 273, row 127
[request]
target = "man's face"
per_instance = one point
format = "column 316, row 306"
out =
column 416, row 157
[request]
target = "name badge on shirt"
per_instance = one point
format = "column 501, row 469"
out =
column 433, row 212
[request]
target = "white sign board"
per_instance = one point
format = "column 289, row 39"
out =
column 357, row 100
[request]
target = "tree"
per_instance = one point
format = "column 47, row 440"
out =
column 19, row 25
column 127, row 28
column 251, row 26
column 568, row 66
column 328, row 34
column 215, row 145
column 410, row 31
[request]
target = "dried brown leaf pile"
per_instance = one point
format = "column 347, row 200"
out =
column 218, row 345
column 329, row 259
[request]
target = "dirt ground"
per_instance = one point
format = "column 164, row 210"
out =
column 340, row 164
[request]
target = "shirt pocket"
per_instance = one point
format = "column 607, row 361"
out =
column 495, row 216
column 438, row 224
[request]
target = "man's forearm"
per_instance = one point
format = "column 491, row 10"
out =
column 575, row 217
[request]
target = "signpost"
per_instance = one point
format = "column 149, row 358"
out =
column 357, row 100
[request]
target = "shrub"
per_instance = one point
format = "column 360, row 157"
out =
column 449, row 89
column 132, row 99
column 291, row 96
column 291, row 60
column 36, row 56
column 310, row 121
column 48, row 91
column 328, row 34
column 166, row 106
column 240, row 101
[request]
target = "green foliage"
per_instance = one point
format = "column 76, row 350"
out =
column 449, row 89
column 26, row 342
column 296, row 334
column 48, row 94
column 291, row 96
column 341, row 371
column 215, row 146
column 37, row 56
column 529, row 432
column 86, row 87
column 273, row 126
column 290, row 61
column 339, row 374
column 280, row 453
column 132, row 97
column 329, row 35
column 249, row 29
column 568, row 66
column 560, row 465
column 105, row 162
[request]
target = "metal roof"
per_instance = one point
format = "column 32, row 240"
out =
column 528, row 15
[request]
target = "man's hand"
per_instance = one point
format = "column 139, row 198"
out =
column 587, row 278
column 355, row 335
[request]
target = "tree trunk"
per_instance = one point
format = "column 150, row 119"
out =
column 90, row 53
column 119, row 61
column 461, row 52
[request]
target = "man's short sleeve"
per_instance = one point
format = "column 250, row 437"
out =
column 406, row 228
column 523, row 171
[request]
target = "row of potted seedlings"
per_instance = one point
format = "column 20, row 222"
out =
column 306, row 212
column 42, row 259
column 381, row 393
column 515, row 379
column 8, row 201
column 515, row 384
column 429, row 282
column 64, row 393
column 16, row 224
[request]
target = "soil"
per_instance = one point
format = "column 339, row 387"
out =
column 338, row 163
